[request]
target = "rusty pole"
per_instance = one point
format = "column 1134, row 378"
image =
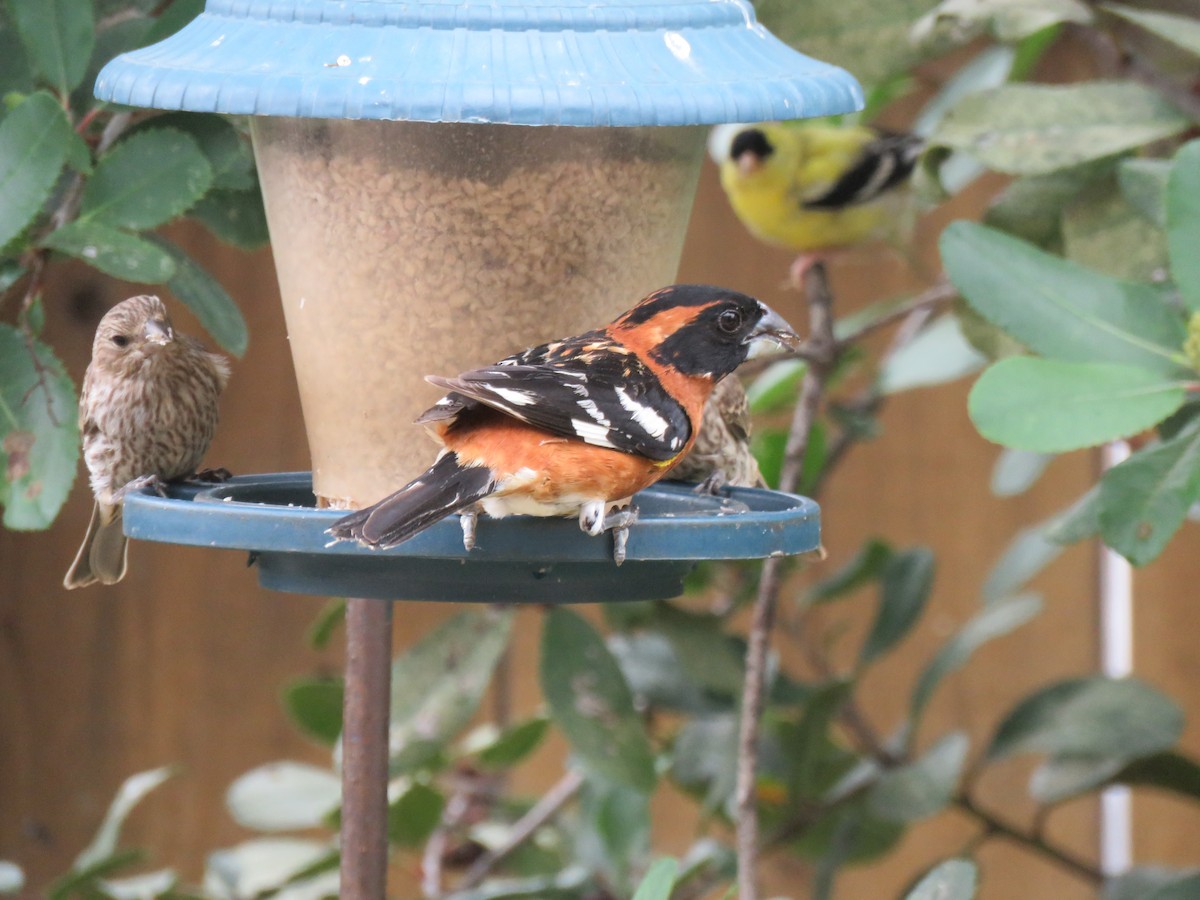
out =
column 365, row 712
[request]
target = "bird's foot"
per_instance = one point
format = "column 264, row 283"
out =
column 210, row 476
column 151, row 481
column 713, row 484
column 468, row 521
column 802, row 265
column 595, row 519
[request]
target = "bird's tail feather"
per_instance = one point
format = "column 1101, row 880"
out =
column 102, row 556
column 444, row 488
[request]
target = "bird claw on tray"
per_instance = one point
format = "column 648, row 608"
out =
column 618, row 522
column 145, row 481
column 713, row 484
column 468, row 521
column 210, row 476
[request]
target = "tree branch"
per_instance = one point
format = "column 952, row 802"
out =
column 542, row 812
column 822, row 354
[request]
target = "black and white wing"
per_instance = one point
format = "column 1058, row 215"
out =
column 597, row 393
column 883, row 164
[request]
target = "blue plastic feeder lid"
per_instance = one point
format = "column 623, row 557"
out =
column 556, row 62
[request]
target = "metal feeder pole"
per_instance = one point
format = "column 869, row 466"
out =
column 366, row 709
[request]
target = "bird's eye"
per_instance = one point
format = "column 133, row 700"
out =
column 120, row 340
column 729, row 321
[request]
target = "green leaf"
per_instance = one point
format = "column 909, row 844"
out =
column 146, row 180
column 34, row 141
column 866, row 566
column 227, row 152
column 16, row 76
column 954, row 879
column 995, row 621
column 514, row 744
column 413, row 816
column 659, row 881
column 936, row 355
column 1186, row 888
column 1060, row 309
column 1077, row 522
column 1182, row 31
column 12, row 879
column 868, row 38
column 1016, row 471
column 259, row 866
column 921, row 788
column 1094, row 716
column 708, row 655
column 615, row 833
column 283, row 796
column 1028, row 129
column 1145, row 499
column 1183, row 222
column 315, row 706
column 70, row 884
column 39, row 431
column 206, row 298
column 1061, row 777
column 176, row 15
column 113, row 252
column 1025, row 556
column 907, row 580
column 236, row 217
column 704, row 758
column 117, row 37
column 328, row 621
column 133, row 791
column 956, row 22
column 58, row 36
column 849, row 834
column 590, row 701
column 651, row 667
column 776, row 387
column 817, row 762
column 1051, row 406
column 1103, row 231
column 989, row 69
column 1142, row 882
column 1144, row 183
column 1168, row 771
column 437, row 684
column 1031, row 208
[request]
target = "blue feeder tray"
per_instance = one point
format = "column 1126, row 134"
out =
column 518, row 560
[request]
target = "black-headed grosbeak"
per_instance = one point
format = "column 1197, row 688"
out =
column 721, row 454
column 577, row 426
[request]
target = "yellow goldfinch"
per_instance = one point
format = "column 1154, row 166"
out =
column 814, row 187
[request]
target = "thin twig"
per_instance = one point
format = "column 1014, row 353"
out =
column 542, row 812
column 435, row 848
column 938, row 293
column 823, row 357
column 997, row 826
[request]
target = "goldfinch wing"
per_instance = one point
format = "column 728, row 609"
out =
column 882, row 164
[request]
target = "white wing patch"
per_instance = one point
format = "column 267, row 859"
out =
column 515, row 397
column 654, row 424
column 593, row 433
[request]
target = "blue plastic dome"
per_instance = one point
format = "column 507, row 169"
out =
column 524, row 62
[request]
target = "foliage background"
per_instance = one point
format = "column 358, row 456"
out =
column 183, row 662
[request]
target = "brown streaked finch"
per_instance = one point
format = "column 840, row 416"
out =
column 721, row 455
column 147, row 414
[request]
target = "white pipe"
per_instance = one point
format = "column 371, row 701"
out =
column 1116, row 661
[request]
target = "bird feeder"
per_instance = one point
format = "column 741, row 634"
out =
column 449, row 182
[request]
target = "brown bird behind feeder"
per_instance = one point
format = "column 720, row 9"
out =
column 147, row 414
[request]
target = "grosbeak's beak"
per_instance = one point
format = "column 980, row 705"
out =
column 772, row 330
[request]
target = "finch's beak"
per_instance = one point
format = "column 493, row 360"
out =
column 772, row 329
column 748, row 164
column 158, row 331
